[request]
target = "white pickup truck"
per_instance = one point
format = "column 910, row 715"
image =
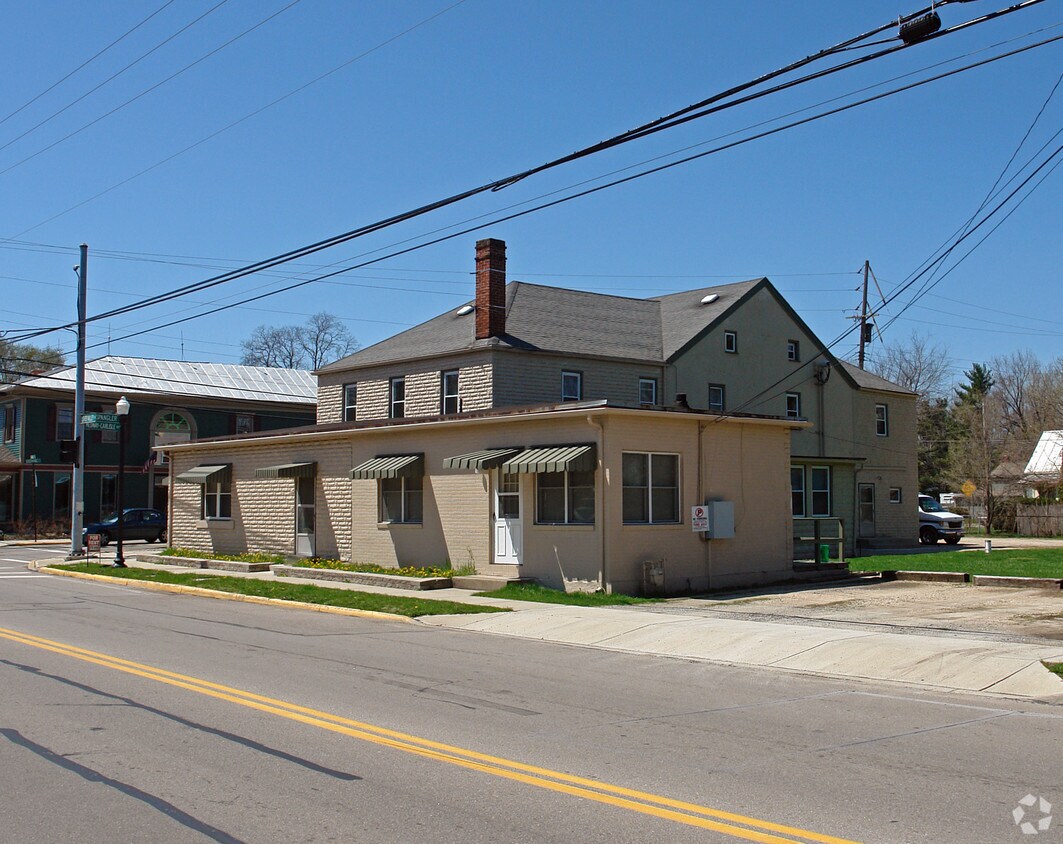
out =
column 935, row 522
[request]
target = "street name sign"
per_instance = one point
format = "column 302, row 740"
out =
column 101, row 421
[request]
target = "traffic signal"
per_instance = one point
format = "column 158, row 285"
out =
column 68, row 451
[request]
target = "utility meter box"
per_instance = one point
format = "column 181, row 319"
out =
column 721, row 519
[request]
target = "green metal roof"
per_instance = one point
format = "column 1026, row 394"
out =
column 390, row 466
column 488, row 458
column 215, row 473
column 573, row 458
column 288, row 470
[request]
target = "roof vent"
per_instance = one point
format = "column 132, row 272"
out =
column 708, row 300
column 464, row 310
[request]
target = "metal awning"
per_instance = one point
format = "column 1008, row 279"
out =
column 288, row 470
column 489, row 458
column 390, row 466
column 213, row 474
column 574, row 458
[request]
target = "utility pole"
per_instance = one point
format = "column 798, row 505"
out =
column 864, row 336
column 78, row 515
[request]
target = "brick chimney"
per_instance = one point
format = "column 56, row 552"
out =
column 490, row 288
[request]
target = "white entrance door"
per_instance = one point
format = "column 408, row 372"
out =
column 507, row 519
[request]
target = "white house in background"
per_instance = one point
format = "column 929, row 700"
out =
column 1044, row 466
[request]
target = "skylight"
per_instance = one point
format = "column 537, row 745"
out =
column 708, row 300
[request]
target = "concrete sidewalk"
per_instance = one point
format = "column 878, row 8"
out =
column 939, row 661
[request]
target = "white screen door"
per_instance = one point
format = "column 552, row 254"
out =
column 507, row 519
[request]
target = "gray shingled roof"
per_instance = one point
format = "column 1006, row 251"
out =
column 113, row 374
column 870, row 381
column 556, row 319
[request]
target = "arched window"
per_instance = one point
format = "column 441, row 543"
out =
column 170, row 426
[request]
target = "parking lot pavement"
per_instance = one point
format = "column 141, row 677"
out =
column 1014, row 614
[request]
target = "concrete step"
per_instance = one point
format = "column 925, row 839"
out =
column 487, row 582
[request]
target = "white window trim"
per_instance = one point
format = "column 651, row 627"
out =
column 653, row 383
column 571, row 373
column 796, row 414
column 444, row 395
column 730, row 342
column 900, row 495
column 649, row 487
column 392, row 402
column 402, row 520
column 793, row 350
column 723, row 397
column 350, row 409
column 882, row 422
column 216, row 490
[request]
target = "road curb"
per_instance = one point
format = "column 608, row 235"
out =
column 230, row 596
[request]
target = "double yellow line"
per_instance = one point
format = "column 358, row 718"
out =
column 690, row 814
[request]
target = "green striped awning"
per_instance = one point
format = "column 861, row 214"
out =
column 489, row 458
column 390, row 466
column 573, row 458
column 288, row 470
column 213, row 474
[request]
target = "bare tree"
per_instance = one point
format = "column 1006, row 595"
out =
column 917, row 365
column 325, row 339
column 322, row 339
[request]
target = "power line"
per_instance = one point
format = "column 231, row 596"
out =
column 683, row 115
column 596, row 189
column 84, row 64
column 146, row 91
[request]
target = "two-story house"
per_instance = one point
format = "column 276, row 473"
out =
column 570, row 433
column 171, row 401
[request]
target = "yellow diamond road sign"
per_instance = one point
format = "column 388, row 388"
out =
column 968, row 488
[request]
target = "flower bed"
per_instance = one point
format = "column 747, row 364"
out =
column 402, row 571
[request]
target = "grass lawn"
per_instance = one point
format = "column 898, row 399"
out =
column 1019, row 562
column 290, row 591
column 1055, row 667
column 535, row 592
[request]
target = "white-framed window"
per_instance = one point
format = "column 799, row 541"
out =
column 793, row 405
column 882, row 420
column 565, row 498
column 793, row 350
column 797, row 491
column 895, row 495
column 730, row 342
column 717, row 397
column 821, row 503
column 64, row 422
column 449, row 390
column 350, row 402
column 217, row 500
column 571, row 386
column 647, row 391
column 651, row 488
column 402, row 500
column 169, row 427
column 397, row 404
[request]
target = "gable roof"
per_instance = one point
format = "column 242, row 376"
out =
column 871, row 381
column 114, row 374
column 1044, row 463
column 560, row 320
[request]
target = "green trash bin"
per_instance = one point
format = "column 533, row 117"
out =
column 824, row 553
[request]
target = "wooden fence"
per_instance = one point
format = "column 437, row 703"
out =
column 1039, row 519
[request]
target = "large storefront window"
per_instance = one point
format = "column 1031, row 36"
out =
column 7, row 498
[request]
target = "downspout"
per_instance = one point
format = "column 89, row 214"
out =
column 600, row 506
column 706, row 550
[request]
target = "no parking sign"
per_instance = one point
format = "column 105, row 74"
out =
column 699, row 518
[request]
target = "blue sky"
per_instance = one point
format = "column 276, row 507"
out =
column 437, row 97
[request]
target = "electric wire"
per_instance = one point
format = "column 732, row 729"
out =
column 85, row 63
column 653, row 126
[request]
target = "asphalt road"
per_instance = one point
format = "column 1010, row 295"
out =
column 130, row 715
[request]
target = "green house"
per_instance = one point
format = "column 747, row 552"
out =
column 170, row 402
